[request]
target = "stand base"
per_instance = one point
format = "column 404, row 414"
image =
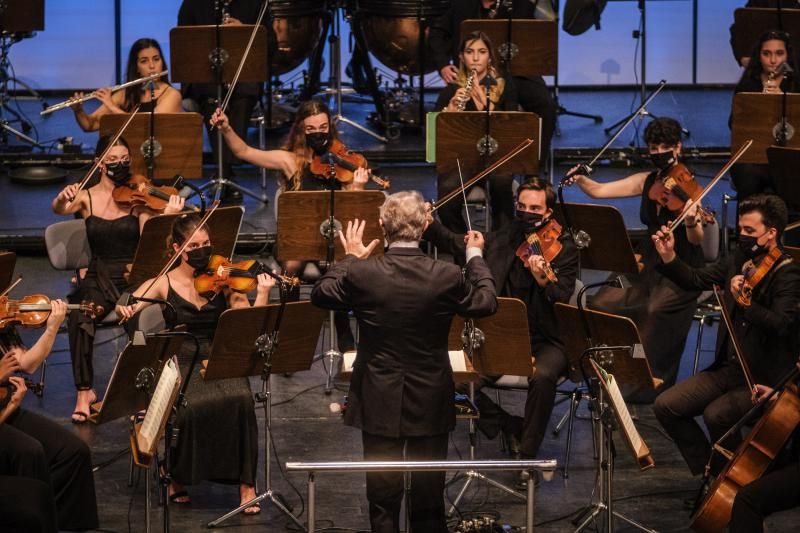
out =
column 274, row 497
column 333, row 356
column 217, row 184
column 596, row 510
column 473, row 475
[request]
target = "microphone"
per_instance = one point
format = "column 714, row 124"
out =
column 181, row 182
column 127, row 298
column 785, row 69
column 488, row 81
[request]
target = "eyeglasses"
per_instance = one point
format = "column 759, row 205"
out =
column 114, row 160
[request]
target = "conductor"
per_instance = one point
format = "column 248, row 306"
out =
column 401, row 392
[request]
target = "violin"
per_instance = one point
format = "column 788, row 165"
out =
column 754, row 274
column 543, row 242
column 32, row 311
column 341, row 163
column 140, row 191
column 676, row 186
column 239, row 277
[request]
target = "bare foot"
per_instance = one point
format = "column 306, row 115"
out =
column 247, row 493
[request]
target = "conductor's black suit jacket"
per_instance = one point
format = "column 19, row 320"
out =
column 402, row 383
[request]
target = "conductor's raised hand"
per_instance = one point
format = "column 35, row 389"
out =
column 664, row 242
column 220, row 120
column 353, row 239
column 474, row 239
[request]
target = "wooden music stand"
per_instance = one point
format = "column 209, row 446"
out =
column 534, row 44
column 751, row 22
column 460, row 135
column 22, row 16
column 632, row 371
column 121, row 397
column 151, row 253
column 180, row 136
column 191, row 48
column 609, row 248
column 8, row 261
column 784, row 169
column 506, row 350
column 301, row 213
column 757, row 116
column 234, row 354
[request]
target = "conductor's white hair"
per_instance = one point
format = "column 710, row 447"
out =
column 403, row 216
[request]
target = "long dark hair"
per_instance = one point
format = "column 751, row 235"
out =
column 133, row 94
column 182, row 228
column 754, row 68
column 105, row 140
column 296, row 141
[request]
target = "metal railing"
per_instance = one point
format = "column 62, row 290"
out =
column 546, row 466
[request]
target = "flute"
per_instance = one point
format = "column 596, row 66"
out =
column 72, row 101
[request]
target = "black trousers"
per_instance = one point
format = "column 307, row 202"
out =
column 777, row 491
column 385, row 489
column 36, row 447
column 535, row 97
column 26, row 505
column 551, row 364
column 721, row 396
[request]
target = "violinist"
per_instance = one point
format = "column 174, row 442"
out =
column 113, row 233
column 661, row 309
column 477, row 86
column 217, row 407
column 778, row 490
column 765, row 330
column 38, row 452
column 311, row 135
column 145, row 59
column 529, row 282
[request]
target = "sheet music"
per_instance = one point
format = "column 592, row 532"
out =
column 632, row 436
column 159, row 407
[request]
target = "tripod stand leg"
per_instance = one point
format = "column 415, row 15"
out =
column 359, row 127
column 461, row 493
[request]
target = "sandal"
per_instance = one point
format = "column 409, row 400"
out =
column 79, row 421
column 253, row 509
column 181, row 498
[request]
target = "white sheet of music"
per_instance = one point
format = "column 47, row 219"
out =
column 159, row 407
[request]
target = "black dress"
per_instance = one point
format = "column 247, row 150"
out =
column 217, row 431
column 50, row 471
column 661, row 309
column 113, row 244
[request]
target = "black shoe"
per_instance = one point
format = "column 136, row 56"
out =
column 512, row 433
column 231, row 196
column 522, row 480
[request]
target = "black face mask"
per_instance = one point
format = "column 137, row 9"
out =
column 529, row 222
column 199, row 257
column 119, row 172
column 663, row 160
column 318, row 141
column 749, row 246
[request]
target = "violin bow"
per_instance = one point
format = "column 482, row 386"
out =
column 10, row 287
column 737, row 349
column 111, row 145
column 482, row 174
column 588, row 166
column 225, row 101
column 464, row 193
column 183, row 246
column 739, row 153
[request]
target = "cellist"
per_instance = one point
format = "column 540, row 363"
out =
column 765, row 330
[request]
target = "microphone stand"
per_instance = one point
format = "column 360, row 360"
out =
column 150, row 150
column 784, row 130
column 488, row 146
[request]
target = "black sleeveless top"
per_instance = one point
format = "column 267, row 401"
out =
column 148, row 107
column 653, row 217
column 201, row 322
column 113, row 242
column 312, row 182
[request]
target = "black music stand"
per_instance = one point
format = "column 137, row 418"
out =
column 8, row 261
column 308, row 229
column 759, row 117
column 177, row 142
column 497, row 345
column 783, row 169
column 478, row 139
column 224, row 225
column 246, row 344
column 601, row 237
column 211, row 54
column 611, row 343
